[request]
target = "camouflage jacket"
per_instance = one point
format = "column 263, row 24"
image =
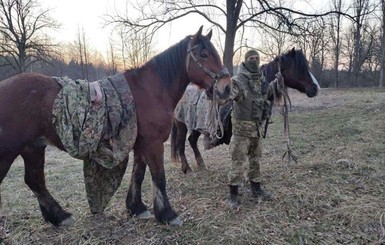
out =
column 247, row 97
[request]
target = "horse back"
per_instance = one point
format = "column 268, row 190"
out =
column 26, row 110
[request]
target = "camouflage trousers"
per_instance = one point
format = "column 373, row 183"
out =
column 243, row 149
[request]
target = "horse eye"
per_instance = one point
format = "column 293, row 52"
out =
column 204, row 55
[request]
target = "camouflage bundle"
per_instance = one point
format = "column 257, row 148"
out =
column 97, row 124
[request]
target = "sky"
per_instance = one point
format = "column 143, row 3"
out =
column 88, row 14
column 74, row 14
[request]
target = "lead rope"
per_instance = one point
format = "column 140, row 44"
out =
column 214, row 118
column 286, row 107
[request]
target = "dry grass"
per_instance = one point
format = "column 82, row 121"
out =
column 334, row 195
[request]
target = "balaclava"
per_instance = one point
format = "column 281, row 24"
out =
column 252, row 65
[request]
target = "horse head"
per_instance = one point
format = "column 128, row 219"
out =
column 204, row 67
column 295, row 70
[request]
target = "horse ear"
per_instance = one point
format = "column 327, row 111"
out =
column 197, row 35
column 292, row 51
column 209, row 34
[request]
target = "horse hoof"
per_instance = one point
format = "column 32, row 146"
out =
column 68, row 221
column 176, row 222
column 232, row 204
column 187, row 171
column 145, row 215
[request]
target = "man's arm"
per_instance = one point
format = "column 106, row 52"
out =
column 236, row 92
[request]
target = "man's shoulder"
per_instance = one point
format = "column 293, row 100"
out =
column 241, row 76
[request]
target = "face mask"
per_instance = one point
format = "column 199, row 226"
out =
column 252, row 65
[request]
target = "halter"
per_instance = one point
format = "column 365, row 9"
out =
column 215, row 76
column 214, row 117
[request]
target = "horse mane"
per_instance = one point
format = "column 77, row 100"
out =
column 299, row 59
column 275, row 97
column 300, row 64
column 172, row 61
column 169, row 63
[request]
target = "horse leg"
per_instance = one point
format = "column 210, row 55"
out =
column 134, row 201
column 155, row 160
column 193, row 139
column 34, row 177
column 181, row 142
column 5, row 165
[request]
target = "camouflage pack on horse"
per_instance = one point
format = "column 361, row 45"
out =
column 34, row 112
column 292, row 66
column 96, row 122
column 194, row 111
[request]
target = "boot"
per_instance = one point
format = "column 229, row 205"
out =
column 233, row 202
column 257, row 191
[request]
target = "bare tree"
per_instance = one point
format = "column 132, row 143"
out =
column 372, row 65
column 22, row 31
column 335, row 31
column 274, row 41
column 382, row 71
column 361, row 9
column 239, row 14
column 316, row 42
column 80, row 52
column 347, row 49
column 83, row 52
column 112, row 66
column 138, row 48
column 132, row 49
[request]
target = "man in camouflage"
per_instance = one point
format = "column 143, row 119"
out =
column 249, row 112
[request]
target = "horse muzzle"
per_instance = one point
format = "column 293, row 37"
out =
column 222, row 91
column 312, row 91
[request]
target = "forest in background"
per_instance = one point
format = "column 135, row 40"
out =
column 343, row 42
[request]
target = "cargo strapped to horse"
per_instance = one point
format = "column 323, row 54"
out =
column 97, row 123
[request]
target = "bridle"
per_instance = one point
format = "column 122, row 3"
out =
column 215, row 76
column 213, row 111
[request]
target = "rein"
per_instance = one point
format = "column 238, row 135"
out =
column 279, row 82
column 213, row 114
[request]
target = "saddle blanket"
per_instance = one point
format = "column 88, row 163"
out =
column 193, row 109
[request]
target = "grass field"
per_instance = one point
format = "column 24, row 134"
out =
column 333, row 195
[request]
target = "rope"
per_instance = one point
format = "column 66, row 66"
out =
column 286, row 107
column 214, row 120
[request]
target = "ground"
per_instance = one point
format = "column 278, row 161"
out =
column 333, row 195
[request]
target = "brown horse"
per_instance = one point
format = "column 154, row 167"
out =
column 293, row 67
column 26, row 103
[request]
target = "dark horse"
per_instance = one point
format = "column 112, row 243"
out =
column 26, row 102
column 293, row 67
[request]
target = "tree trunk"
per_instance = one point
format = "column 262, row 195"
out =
column 233, row 10
column 229, row 50
column 382, row 71
column 338, row 6
column 22, row 58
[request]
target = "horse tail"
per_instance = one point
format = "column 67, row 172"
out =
column 174, row 136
